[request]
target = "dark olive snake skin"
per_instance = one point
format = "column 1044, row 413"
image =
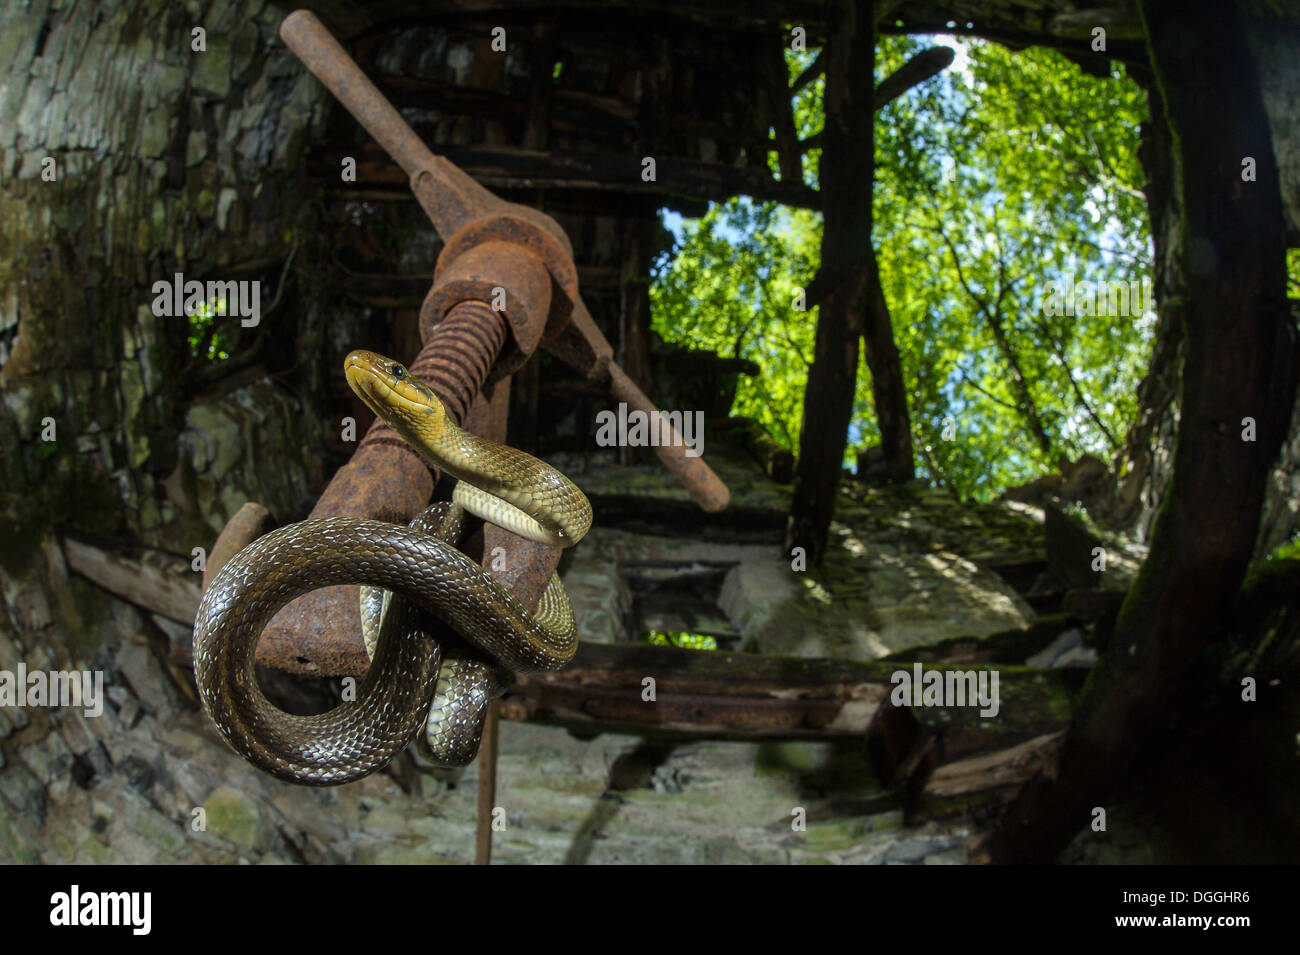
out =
column 466, row 684
column 413, row 679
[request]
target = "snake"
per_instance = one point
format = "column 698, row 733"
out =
column 442, row 634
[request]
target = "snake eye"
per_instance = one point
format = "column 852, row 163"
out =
column 399, row 372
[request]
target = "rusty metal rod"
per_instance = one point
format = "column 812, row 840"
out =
column 487, row 786
column 319, row 633
column 451, row 198
column 303, row 33
column 705, row 487
column 458, row 196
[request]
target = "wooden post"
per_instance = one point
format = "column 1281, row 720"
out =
column 847, row 170
column 888, row 389
column 781, row 112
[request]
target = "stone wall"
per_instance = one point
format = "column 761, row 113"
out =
column 166, row 159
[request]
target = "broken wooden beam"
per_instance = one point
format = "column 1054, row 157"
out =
column 153, row 580
column 921, row 67
column 639, row 688
column 981, row 784
column 747, row 696
column 754, row 696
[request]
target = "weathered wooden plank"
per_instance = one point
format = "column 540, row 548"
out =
column 719, row 695
column 982, row 783
column 143, row 583
column 744, row 695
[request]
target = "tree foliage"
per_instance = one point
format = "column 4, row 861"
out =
column 1006, row 173
column 732, row 287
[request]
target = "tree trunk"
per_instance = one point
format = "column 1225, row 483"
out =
column 1240, row 362
column 1143, row 466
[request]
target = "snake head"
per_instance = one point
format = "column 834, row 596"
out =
column 389, row 390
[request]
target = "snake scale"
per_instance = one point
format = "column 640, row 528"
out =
column 437, row 627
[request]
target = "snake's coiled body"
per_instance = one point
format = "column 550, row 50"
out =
column 419, row 565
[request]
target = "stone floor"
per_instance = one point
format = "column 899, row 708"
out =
column 128, row 787
column 150, row 780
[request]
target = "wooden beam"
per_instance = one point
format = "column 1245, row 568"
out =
column 982, row 783
column 923, row 66
column 781, row 111
column 723, row 15
column 537, row 129
column 888, row 390
column 158, row 584
column 815, row 69
column 753, row 696
column 719, row 695
column 1012, row 32
column 701, row 693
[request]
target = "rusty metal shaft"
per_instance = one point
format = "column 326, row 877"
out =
column 303, row 33
column 454, row 363
column 457, row 197
column 705, row 487
column 319, row 632
column 466, row 343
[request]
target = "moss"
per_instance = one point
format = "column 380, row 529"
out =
column 1011, row 645
column 1264, row 612
column 63, row 845
column 82, row 609
column 392, row 854
column 233, row 815
column 12, row 846
column 836, row 834
column 779, row 758
column 947, row 807
column 1277, row 572
column 98, row 852
column 161, row 832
